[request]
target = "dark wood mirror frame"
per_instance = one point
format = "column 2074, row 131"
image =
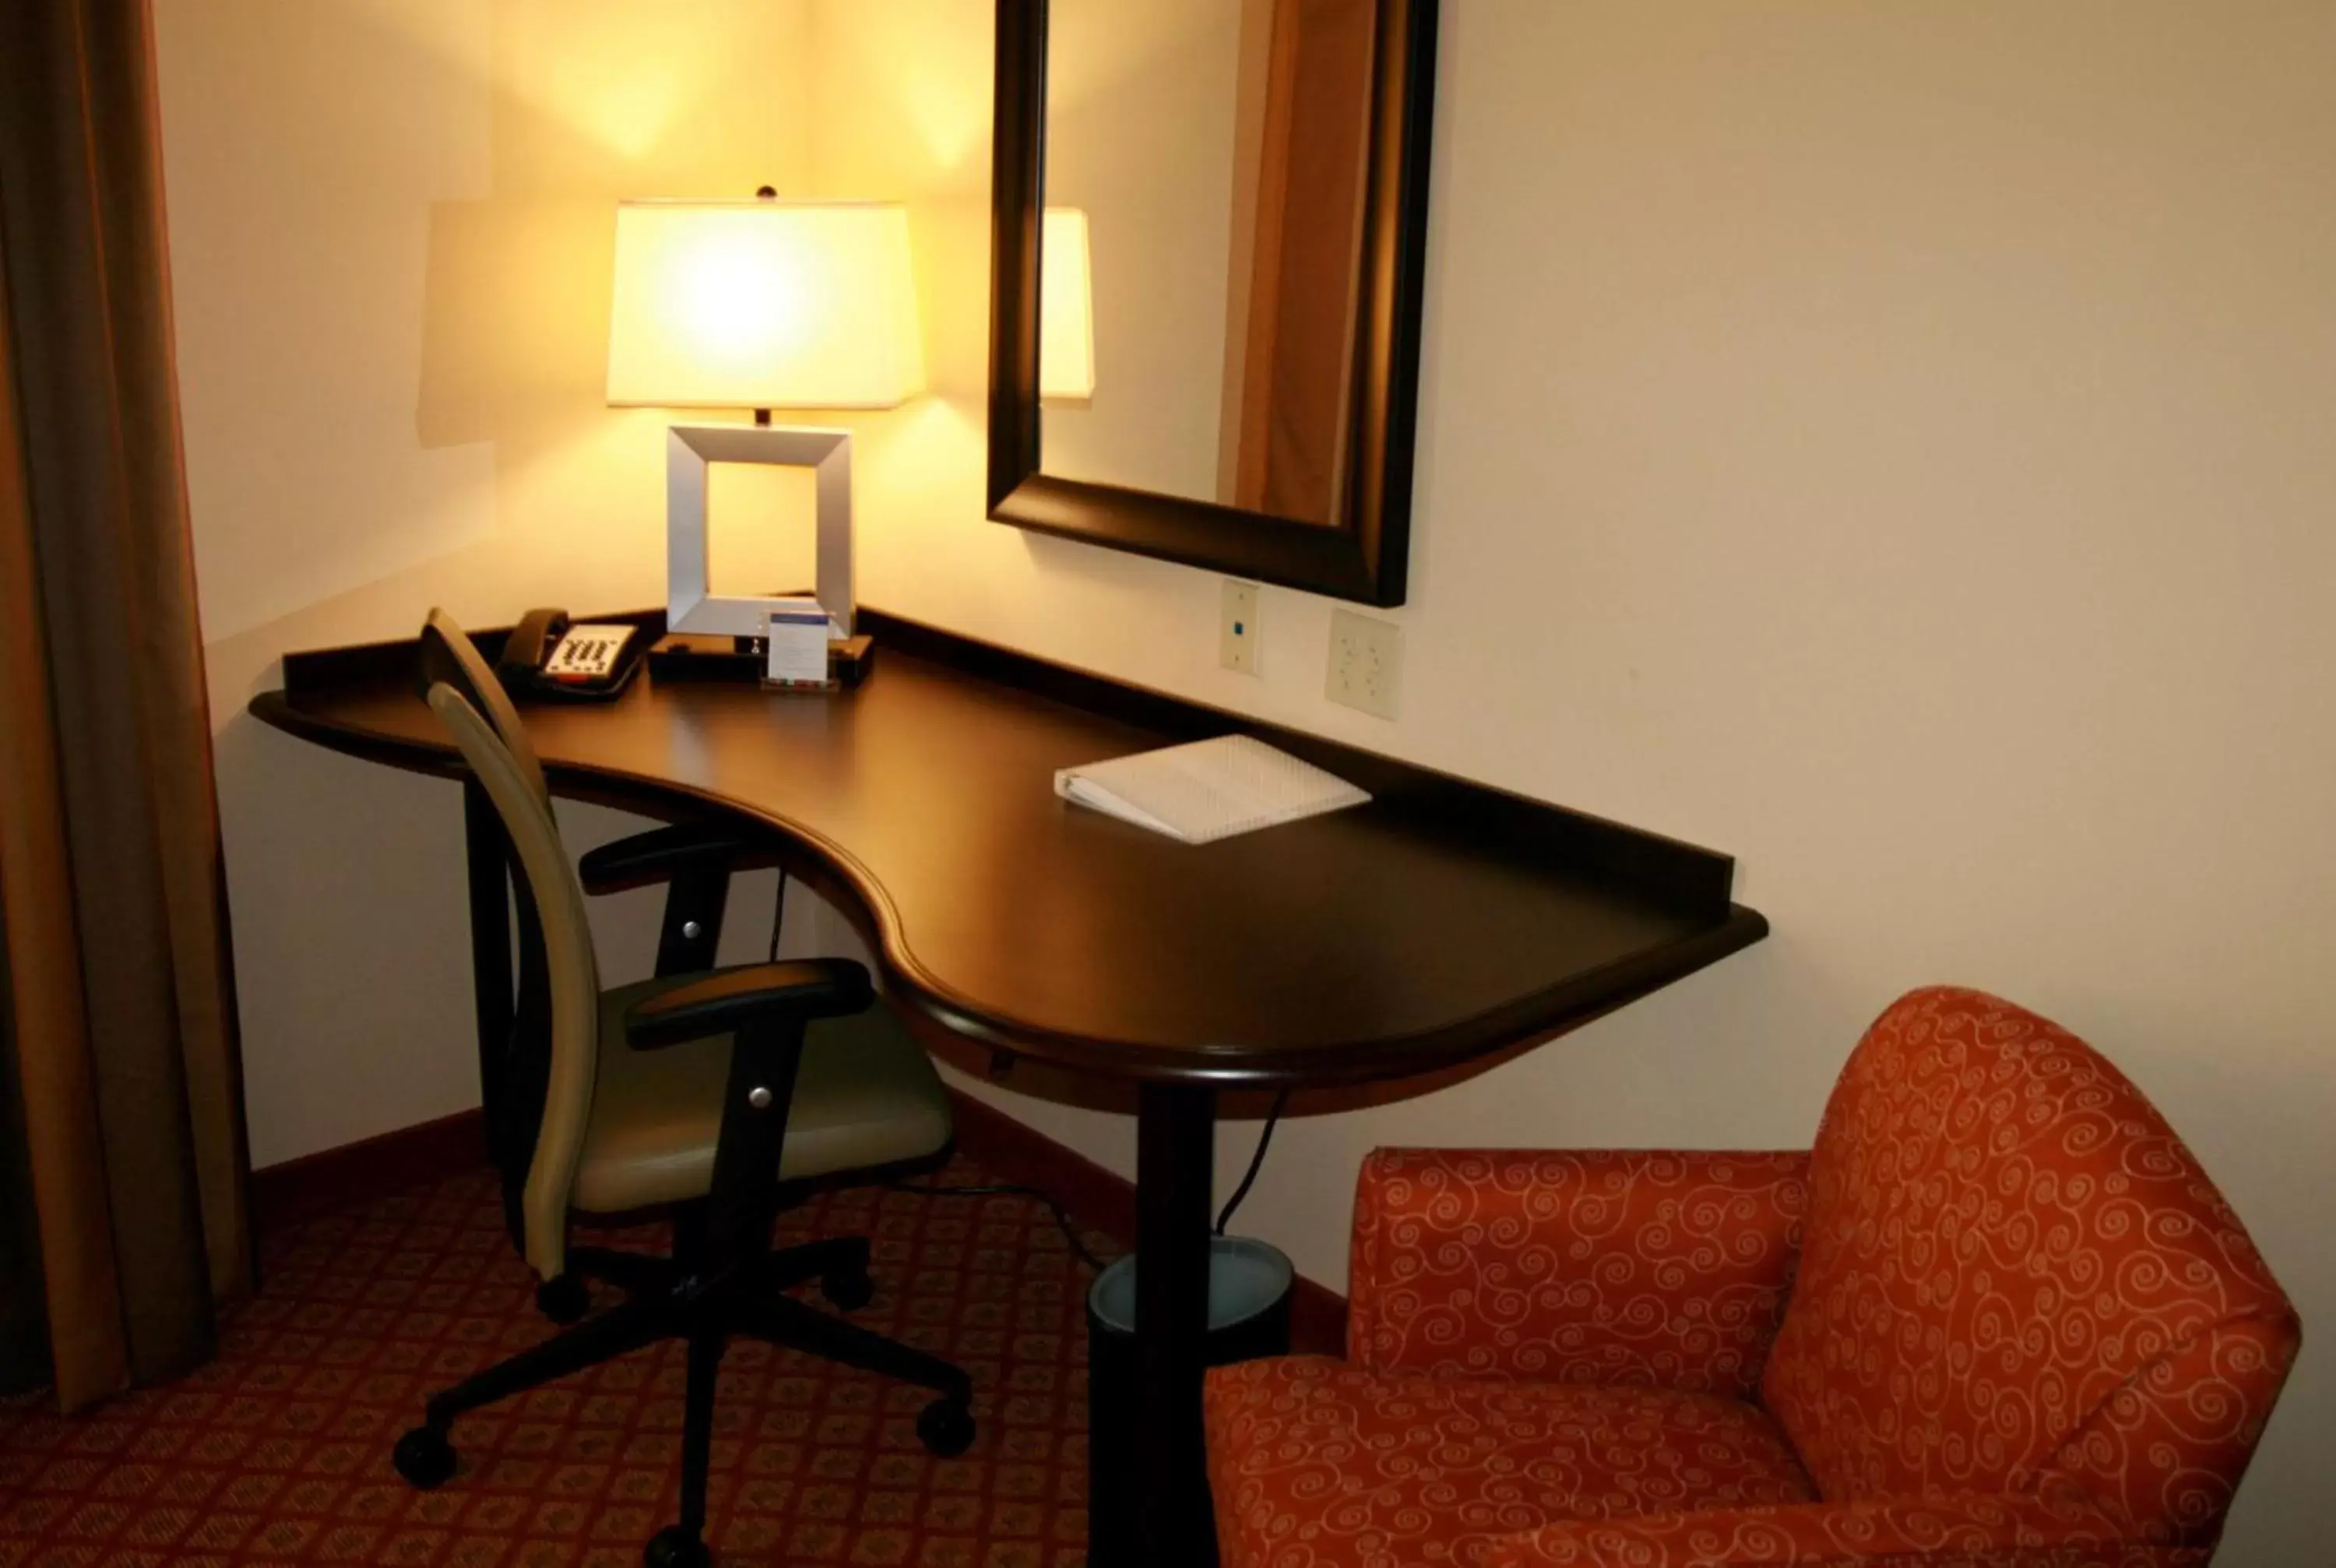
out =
column 1364, row 554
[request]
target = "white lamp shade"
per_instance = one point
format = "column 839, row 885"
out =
column 763, row 304
column 1065, row 306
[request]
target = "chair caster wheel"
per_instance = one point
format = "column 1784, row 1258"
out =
column 672, row 1547
column 564, row 1301
column 848, row 1291
column 945, row 1428
column 424, row 1457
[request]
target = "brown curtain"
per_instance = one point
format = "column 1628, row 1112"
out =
column 123, row 1209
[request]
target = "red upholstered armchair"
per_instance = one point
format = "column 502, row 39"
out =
column 1998, row 1317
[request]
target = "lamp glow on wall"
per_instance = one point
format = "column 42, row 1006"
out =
column 760, row 303
column 1066, row 307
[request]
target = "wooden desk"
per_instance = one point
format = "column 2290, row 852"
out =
column 1441, row 922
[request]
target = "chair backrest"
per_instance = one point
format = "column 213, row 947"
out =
column 515, row 1038
column 566, row 1035
column 447, row 654
column 2015, row 1274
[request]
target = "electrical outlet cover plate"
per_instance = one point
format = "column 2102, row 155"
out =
column 1366, row 662
column 1237, row 628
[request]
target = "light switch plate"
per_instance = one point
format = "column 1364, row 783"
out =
column 1237, row 629
column 1366, row 662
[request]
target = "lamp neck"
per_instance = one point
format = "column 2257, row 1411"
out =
column 763, row 416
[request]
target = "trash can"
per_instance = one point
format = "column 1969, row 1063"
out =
column 1248, row 1317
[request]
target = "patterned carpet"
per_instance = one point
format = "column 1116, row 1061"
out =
column 279, row 1451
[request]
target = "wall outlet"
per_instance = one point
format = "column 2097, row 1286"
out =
column 1237, row 632
column 1366, row 660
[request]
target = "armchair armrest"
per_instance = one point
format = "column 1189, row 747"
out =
column 2063, row 1529
column 1665, row 1270
column 661, row 855
column 728, row 999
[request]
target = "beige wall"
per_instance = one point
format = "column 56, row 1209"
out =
column 1894, row 445
column 390, row 233
column 1891, row 443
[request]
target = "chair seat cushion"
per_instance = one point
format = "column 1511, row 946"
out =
column 865, row 1095
column 1317, row 1462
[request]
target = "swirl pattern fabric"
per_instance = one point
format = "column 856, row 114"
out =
column 2013, row 1271
column 1998, row 1318
column 2171, row 1444
column 2061, row 1530
column 1657, row 1270
column 1316, row 1462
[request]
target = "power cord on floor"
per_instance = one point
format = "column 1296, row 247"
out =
column 1256, row 1160
column 1063, row 1219
column 1008, row 1189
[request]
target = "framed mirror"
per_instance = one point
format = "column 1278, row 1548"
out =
column 1209, row 222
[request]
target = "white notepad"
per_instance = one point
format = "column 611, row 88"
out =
column 1208, row 789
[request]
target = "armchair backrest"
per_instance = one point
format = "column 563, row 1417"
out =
column 565, row 1041
column 2015, row 1273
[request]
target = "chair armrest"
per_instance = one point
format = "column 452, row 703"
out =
column 727, row 999
column 662, row 854
column 1665, row 1269
column 2061, row 1530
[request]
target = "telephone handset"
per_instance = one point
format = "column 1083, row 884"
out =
column 548, row 656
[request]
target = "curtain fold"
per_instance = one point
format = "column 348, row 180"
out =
column 120, row 1010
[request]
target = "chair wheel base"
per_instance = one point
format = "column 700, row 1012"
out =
column 564, row 1301
column 848, row 1290
column 946, row 1428
column 674, row 1547
column 424, row 1457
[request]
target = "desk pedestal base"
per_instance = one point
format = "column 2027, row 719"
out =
column 1175, row 1169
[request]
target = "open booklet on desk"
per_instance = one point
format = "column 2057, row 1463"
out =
column 1208, row 789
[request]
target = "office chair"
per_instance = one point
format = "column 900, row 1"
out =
column 710, row 1097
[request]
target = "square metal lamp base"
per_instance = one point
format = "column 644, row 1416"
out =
column 691, row 605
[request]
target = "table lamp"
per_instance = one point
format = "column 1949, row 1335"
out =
column 760, row 303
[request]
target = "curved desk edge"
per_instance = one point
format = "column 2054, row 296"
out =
column 1686, row 879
